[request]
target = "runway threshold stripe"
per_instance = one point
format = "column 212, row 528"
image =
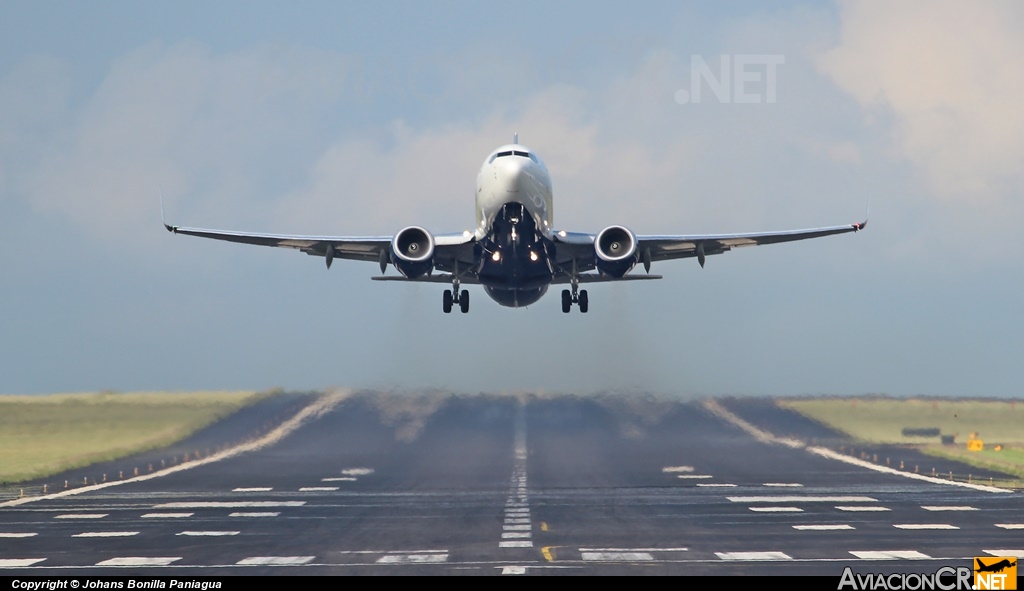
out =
column 19, row 562
column 139, row 561
column 840, row 526
column 106, row 534
column 753, row 556
column 512, row 535
column 275, row 560
column 1014, row 553
column 617, row 556
column 515, row 544
column 17, row 535
column 81, row 516
column 509, row 521
column 924, row 526
column 889, row 555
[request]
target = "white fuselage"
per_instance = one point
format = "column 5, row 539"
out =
column 513, row 174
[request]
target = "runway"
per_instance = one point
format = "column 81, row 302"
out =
column 517, row 485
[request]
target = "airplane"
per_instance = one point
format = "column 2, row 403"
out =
column 515, row 253
column 995, row 566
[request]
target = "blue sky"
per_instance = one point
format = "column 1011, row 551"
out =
column 332, row 118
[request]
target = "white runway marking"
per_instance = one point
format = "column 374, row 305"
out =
column 412, row 559
column 715, row 485
column 81, row 516
column 318, row 489
column 693, row 476
column 784, row 484
column 513, row 570
column 924, row 526
column 208, row 533
column 634, row 549
column 617, row 556
column 676, row 469
column 167, row 515
column 139, row 561
column 890, row 555
column 357, row 471
column 515, row 544
column 512, row 535
column 1010, row 525
column 753, row 556
column 253, row 489
column 228, row 504
column 863, row 508
column 275, row 560
column 841, row 526
column 339, row 479
column 255, row 514
column 517, row 527
column 948, row 508
column 16, row 535
column 777, row 509
column 106, row 534
column 1014, row 553
column 517, row 520
column 19, row 562
column 803, row 499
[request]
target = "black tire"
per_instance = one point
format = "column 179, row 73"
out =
column 566, row 301
column 446, row 301
column 584, row 301
column 464, row 301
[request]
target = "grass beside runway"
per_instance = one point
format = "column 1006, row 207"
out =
column 882, row 420
column 46, row 434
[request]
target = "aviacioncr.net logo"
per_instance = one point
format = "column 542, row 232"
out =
column 946, row 578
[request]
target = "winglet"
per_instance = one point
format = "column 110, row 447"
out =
column 163, row 218
column 860, row 226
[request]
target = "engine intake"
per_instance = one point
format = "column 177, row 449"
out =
column 616, row 251
column 412, row 252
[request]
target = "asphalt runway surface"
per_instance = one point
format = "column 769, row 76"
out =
column 506, row 485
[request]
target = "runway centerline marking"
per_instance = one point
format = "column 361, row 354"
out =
column 255, row 514
column 924, row 526
column 863, row 508
column 139, row 561
column 17, row 535
column 676, row 469
column 227, row 504
column 339, row 479
column 166, row 515
column 275, row 560
column 253, row 489
column 617, row 556
column 1010, row 525
column 693, row 476
column 803, row 499
column 777, row 509
column 357, row 471
column 1014, row 553
column 948, row 508
column 715, row 485
column 516, row 531
column 784, row 484
column 106, row 534
column 81, row 516
column 840, row 526
column 890, row 555
column 318, row 489
column 207, row 533
column 753, row 556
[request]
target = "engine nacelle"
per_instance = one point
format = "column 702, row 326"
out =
column 615, row 251
column 412, row 252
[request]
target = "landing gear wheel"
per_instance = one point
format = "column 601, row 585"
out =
column 584, row 301
column 464, row 301
column 566, row 301
column 446, row 301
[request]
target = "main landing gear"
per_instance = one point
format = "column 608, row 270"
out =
column 462, row 299
column 577, row 296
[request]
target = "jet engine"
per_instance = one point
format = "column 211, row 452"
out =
column 616, row 251
column 412, row 252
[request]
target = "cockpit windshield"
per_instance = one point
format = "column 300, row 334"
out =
column 522, row 153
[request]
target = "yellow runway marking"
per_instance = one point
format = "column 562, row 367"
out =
column 548, row 555
column 543, row 526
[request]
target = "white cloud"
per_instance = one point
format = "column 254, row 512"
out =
column 951, row 74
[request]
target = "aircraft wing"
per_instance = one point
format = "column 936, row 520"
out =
column 650, row 248
column 448, row 248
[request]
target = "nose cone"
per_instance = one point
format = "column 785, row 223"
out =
column 512, row 173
